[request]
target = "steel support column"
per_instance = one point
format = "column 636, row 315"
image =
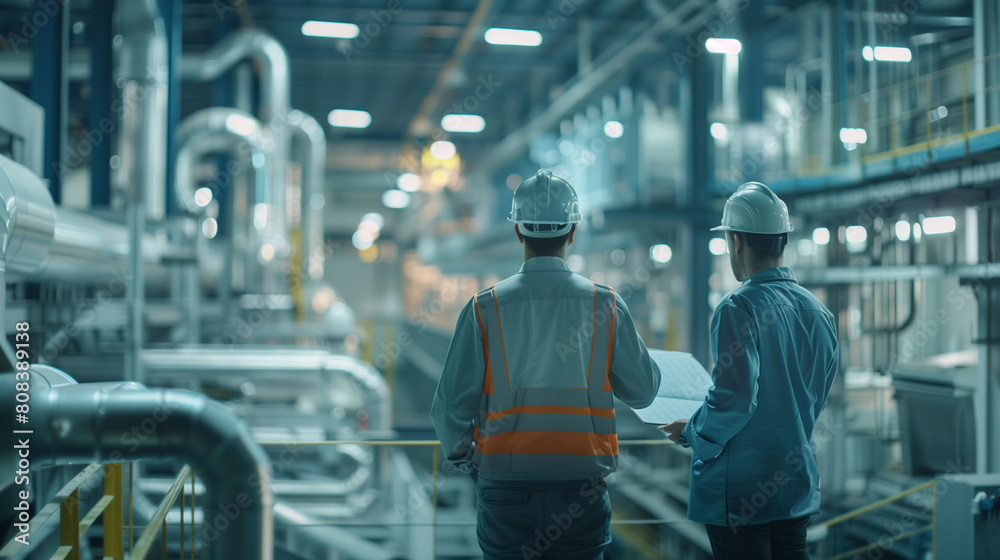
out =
column 50, row 83
column 696, row 93
column 102, row 122
column 751, row 92
column 170, row 10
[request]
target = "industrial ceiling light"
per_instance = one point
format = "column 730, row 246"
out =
column 856, row 234
column 443, row 149
column 330, row 29
column 614, row 129
column 821, row 236
column 853, row 135
column 723, row 46
column 349, row 118
column 661, row 253
column 516, row 37
column 903, row 230
column 717, row 246
column 463, row 123
column 409, row 182
column 395, row 199
column 887, row 54
column 939, row 224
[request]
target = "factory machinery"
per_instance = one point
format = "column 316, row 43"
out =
column 164, row 348
column 151, row 345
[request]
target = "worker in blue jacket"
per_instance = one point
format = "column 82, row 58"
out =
column 754, row 478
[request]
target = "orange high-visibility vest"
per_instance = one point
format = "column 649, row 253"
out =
column 538, row 430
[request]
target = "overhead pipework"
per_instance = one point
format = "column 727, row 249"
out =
column 90, row 419
column 275, row 92
column 220, row 129
column 310, row 132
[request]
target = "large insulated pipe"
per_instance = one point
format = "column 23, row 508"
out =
column 275, row 93
column 122, row 421
column 42, row 242
column 246, row 362
column 219, row 129
column 310, row 132
column 143, row 72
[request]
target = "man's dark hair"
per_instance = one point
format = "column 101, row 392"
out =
column 544, row 245
column 763, row 246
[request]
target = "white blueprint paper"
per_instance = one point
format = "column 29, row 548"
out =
column 684, row 383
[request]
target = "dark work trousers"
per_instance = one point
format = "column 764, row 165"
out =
column 777, row 540
column 524, row 520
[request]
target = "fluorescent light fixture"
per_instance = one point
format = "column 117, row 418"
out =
column 331, row 29
column 902, row 230
column 203, row 196
column 887, row 54
column 938, row 224
column 463, row 123
column 443, row 149
column 857, row 234
column 517, row 37
column 409, row 182
column 853, row 135
column 396, row 199
column 723, row 46
column 717, row 246
column 349, row 118
column 661, row 253
column 614, row 129
column 362, row 239
column 821, row 236
column 806, row 247
column 718, row 131
column 916, row 232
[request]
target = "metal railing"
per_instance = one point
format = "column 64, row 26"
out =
column 887, row 539
column 110, row 505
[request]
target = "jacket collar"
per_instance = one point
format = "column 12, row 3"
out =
column 539, row 264
column 773, row 274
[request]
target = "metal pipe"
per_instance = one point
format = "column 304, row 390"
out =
column 43, row 242
column 281, row 364
column 113, row 422
column 331, row 539
column 275, row 92
column 308, row 129
column 219, row 129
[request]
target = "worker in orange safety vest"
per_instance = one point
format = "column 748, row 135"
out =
column 524, row 402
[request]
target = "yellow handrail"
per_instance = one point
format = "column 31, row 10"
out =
column 932, row 484
column 71, row 527
column 159, row 518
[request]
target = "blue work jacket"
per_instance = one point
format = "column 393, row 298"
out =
column 776, row 356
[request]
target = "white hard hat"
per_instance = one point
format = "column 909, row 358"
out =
column 547, row 204
column 754, row 208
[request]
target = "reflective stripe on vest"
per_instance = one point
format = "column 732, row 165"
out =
column 546, row 429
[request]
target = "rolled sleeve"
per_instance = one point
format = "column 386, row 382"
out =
column 635, row 377
column 459, row 390
column 732, row 400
